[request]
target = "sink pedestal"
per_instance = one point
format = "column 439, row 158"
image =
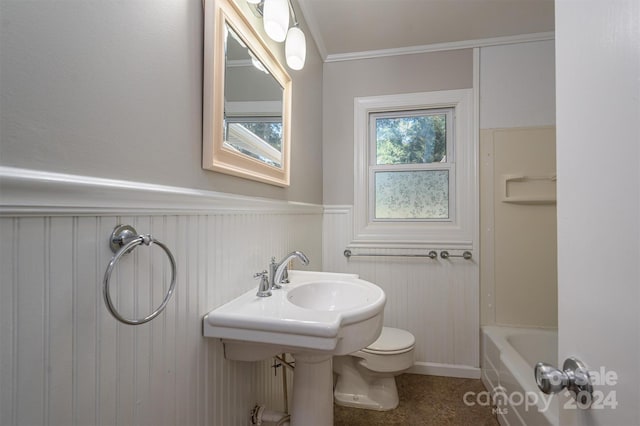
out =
column 312, row 390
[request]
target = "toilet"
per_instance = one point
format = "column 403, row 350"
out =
column 366, row 378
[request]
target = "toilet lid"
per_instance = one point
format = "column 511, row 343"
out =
column 392, row 340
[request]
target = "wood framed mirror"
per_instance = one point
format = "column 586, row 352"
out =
column 246, row 100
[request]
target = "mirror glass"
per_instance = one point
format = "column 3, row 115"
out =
column 246, row 100
column 252, row 104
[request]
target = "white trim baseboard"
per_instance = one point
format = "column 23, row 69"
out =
column 27, row 192
column 446, row 370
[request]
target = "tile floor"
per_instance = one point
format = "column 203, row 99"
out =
column 424, row 400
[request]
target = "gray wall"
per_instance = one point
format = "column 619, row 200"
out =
column 370, row 77
column 114, row 89
column 517, row 85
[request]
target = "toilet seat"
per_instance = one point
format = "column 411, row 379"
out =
column 391, row 341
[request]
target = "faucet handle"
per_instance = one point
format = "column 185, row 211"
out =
column 260, row 274
column 264, row 289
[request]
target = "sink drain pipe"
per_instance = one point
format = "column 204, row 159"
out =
column 283, row 360
column 260, row 414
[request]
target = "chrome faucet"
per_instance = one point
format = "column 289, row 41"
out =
column 278, row 270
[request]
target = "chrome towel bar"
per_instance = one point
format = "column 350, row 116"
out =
column 466, row 255
column 348, row 253
column 431, row 254
column 123, row 240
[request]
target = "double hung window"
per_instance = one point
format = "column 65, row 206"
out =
column 415, row 170
column 412, row 175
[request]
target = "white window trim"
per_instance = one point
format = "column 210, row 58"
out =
column 457, row 233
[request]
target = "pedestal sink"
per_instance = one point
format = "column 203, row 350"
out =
column 314, row 317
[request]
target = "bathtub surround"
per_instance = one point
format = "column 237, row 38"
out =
column 518, row 269
column 518, row 222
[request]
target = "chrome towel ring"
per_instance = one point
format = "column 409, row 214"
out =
column 124, row 239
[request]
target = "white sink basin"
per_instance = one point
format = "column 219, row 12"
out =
column 316, row 312
column 333, row 295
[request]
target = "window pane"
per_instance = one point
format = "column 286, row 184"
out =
column 422, row 194
column 416, row 139
column 257, row 139
column 268, row 131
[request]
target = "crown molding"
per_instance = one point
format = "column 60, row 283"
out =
column 438, row 47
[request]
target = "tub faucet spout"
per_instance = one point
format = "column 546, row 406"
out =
column 278, row 269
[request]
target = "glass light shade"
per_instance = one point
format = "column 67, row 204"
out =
column 276, row 19
column 295, row 48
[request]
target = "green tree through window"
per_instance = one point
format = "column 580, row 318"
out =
column 414, row 139
column 270, row 132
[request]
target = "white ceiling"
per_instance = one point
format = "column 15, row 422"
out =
column 344, row 27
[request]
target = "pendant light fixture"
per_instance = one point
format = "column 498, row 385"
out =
column 275, row 18
column 295, row 48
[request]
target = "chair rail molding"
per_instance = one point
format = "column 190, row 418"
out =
column 32, row 192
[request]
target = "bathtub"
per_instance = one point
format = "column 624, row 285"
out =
column 509, row 355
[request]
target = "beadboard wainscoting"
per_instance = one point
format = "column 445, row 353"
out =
column 65, row 360
column 435, row 299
